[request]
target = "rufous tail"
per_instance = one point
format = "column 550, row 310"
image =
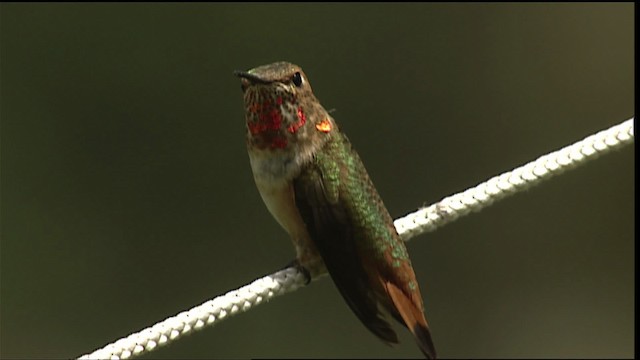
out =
column 413, row 318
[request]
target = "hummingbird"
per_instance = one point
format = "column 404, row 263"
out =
column 316, row 187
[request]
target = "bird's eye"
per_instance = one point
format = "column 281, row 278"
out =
column 297, row 79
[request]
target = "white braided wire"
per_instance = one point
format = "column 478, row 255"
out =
column 206, row 314
column 473, row 199
column 424, row 220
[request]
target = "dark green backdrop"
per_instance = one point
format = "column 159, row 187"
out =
column 127, row 194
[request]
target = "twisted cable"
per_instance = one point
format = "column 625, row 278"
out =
column 521, row 178
column 424, row 220
column 206, row 314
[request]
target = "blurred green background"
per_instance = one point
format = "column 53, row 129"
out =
column 127, row 195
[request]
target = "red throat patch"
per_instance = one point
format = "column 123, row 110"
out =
column 302, row 119
column 267, row 123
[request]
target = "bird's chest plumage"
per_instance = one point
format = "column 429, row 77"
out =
column 273, row 175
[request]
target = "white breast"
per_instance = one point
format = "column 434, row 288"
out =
column 273, row 174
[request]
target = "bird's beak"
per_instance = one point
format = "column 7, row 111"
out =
column 251, row 77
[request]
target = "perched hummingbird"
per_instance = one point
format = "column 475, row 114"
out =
column 315, row 185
